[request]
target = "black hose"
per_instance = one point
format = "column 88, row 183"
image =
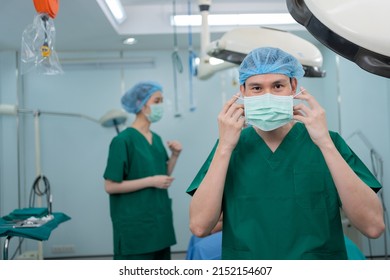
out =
column 35, row 190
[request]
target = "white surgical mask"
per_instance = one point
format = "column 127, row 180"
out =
column 268, row 111
column 156, row 112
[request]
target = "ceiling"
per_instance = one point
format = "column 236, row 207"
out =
column 81, row 25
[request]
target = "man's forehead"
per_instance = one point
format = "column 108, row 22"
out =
column 267, row 78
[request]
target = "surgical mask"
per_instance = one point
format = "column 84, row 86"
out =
column 268, row 111
column 156, row 112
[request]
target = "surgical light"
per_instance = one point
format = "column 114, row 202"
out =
column 215, row 61
column 113, row 118
column 354, row 29
column 234, row 19
column 116, row 9
column 130, row 41
column 238, row 42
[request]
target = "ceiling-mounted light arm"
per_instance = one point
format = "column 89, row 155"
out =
column 206, row 67
column 204, row 7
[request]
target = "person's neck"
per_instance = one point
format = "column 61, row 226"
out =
column 273, row 138
column 142, row 125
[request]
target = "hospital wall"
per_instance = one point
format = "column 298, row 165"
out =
column 365, row 124
column 74, row 149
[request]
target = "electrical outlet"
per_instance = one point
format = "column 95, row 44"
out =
column 29, row 255
column 62, row 249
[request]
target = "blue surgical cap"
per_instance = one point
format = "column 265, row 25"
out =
column 269, row 61
column 136, row 97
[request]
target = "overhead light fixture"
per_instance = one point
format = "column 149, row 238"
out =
column 215, row 61
column 234, row 19
column 117, row 10
column 130, row 41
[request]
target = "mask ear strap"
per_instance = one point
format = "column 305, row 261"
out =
column 144, row 108
column 238, row 95
column 295, row 95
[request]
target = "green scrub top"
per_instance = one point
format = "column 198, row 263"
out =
column 282, row 204
column 142, row 220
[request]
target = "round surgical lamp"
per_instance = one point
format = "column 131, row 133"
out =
column 235, row 44
column 354, row 29
column 113, row 118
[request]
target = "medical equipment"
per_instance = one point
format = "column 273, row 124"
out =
column 205, row 68
column 353, row 29
column 191, row 63
column 49, row 7
column 32, row 228
column 112, row 118
column 37, row 51
column 234, row 45
column 7, row 109
column 33, row 222
column 177, row 64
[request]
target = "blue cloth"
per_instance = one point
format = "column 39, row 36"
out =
column 205, row 248
column 210, row 248
column 353, row 251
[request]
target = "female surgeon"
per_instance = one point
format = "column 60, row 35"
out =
column 137, row 178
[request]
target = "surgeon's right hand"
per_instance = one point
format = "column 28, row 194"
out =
column 162, row 181
column 230, row 123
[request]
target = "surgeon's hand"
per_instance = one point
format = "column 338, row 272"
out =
column 230, row 123
column 162, row 181
column 313, row 117
column 175, row 147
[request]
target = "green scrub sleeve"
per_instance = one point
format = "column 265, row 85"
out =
column 355, row 163
column 202, row 172
column 117, row 161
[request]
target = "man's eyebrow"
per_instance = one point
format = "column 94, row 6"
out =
column 254, row 84
column 281, row 81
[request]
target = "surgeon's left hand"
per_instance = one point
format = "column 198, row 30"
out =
column 313, row 117
column 175, row 147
